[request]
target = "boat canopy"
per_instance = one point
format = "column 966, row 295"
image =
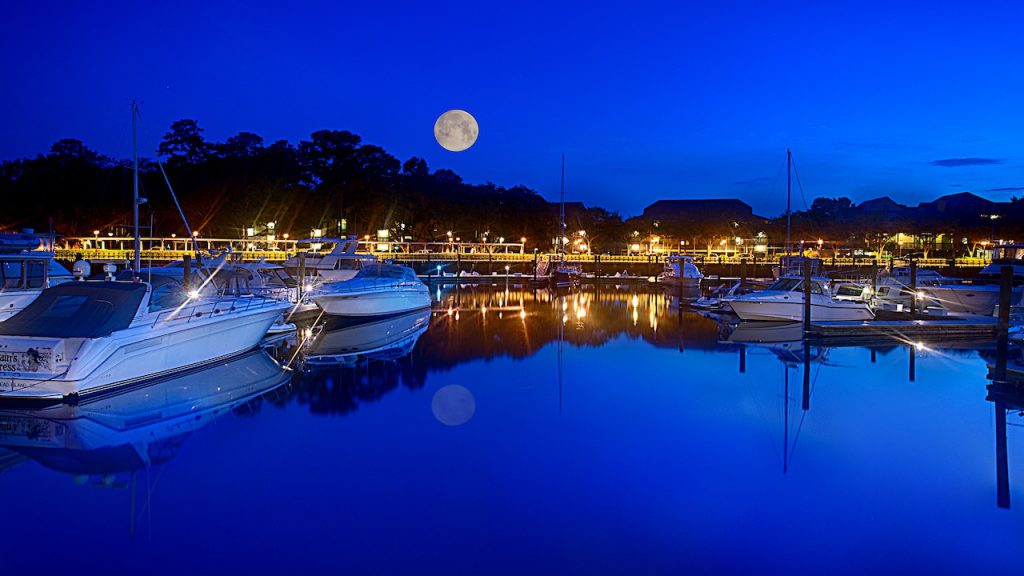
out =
column 78, row 310
column 390, row 271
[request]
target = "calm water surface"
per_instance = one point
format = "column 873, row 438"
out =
column 522, row 432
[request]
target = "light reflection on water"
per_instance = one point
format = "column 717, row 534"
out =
column 511, row 430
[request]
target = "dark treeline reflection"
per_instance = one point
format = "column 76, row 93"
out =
column 485, row 322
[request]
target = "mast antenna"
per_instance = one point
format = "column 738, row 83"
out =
column 135, row 189
column 789, row 193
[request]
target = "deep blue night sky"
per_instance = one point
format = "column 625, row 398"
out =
column 647, row 101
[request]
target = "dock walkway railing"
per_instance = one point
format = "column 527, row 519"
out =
column 161, row 255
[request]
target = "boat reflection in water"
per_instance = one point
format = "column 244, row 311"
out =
column 346, row 362
column 347, row 341
column 146, row 426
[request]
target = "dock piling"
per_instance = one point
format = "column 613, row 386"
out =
column 807, row 375
column 874, row 278
column 302, row 274
column 1003, row 326
column 807, row 297
column 913, row 287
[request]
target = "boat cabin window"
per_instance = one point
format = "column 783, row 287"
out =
column 11, row 274
column 23, row 274
column 36, row 274
column 347, row 264
column 785, row 284
column 1007, row 253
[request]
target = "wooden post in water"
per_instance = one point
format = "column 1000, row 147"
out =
column 1002, row 464
column 874, row 277
column 458, row 263
column 743, row 271
column 807, row 375
column 535, row 263
column 807, row 297
column 913, row 362
column 302, row 275
column 1002, row 333
column 913, row 287
column 187, row 272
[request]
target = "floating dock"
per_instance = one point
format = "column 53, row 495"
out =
column 904, row 330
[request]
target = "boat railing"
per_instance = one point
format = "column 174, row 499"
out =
column 186, row 313
column 364, row 284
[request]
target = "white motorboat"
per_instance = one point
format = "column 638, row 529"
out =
column 784, row 300
column 346, row 342
column 376, row 290
column 981, row 297
column 339, row 264
column 893, row 289
column 142, row 426
column 717, row 299
column 25, row 271
column 273, row 281
column 680, row 270
column 82, row 338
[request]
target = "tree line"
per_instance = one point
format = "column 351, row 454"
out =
column 336, row 182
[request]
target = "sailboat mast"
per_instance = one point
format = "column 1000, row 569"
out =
column 561, row 212
column 135, row 189
column 789, row 194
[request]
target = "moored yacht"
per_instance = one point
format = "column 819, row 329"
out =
column 25, row 271
column 564, row 274
column 981, row 297
column 681, row 270
column 339, row 264
column 376, row 290
column 784, row 300
column 81, row 338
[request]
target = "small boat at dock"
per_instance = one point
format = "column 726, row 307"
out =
column 376, row 290
column 784, row 300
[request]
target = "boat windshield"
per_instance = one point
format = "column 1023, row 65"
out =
column 78, row 310
column 789, row 284
column 23, row 274
column 389, row 271
column 785, row 284
column 275, row 278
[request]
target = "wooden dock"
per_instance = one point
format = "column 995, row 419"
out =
column 904, row 330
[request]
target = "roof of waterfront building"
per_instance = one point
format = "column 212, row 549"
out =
column 731, row 208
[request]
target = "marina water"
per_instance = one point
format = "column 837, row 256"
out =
column 605, row 430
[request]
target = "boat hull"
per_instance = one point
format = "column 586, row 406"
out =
column 143, row 352
column 980, row 299
column 793, row 310
column 373, row 303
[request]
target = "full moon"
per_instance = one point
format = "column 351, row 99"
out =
column 456, row 130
